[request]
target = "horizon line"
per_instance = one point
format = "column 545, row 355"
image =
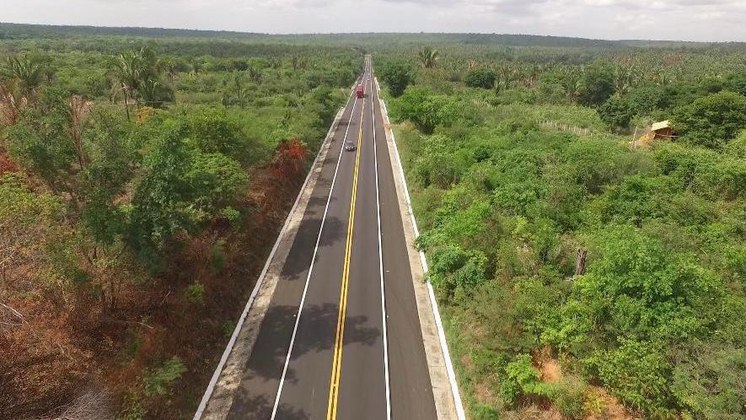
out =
column 269, row 34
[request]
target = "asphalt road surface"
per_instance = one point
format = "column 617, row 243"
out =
column 341, row 338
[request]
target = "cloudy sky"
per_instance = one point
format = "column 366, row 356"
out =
column 697, row 20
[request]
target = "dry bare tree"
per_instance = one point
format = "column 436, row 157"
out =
column 10, row 106
column 78, row 114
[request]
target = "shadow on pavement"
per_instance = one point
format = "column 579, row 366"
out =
column 316, row 333
column 261, row 408
column 299, row 258
column 258, row 387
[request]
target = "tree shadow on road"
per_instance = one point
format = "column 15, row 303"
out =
column 259, row 407
column 316, row 333
column 299, row 258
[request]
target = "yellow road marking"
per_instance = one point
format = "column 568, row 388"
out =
column 331, row 412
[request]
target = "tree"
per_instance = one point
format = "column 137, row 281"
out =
column 128, row 76
column 11, row 106
column 616, row 113
column 139, row 77
column 42, row 142
column 428, row 57
column 215, row 181
column 635, row 301
column 420, row 107
column 481, row 78
column 79, row 111
column 452, row 268
column 323, row 97
column 737, row 83
column 25, row 72
column 214, row 132
column 597, row 83
column 113, row 159
column 27, row 223
column 712, row 120
column 709, row 381
column 181, row 189
column 397, row 76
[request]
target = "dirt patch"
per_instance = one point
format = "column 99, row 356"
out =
column 550, row 370
column 599, row 405
column 6, row 164
column 483, row 393
column 602, row 406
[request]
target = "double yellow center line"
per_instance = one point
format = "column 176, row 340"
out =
column 331, row 413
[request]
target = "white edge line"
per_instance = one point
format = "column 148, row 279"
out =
column 433, row 302
column 310, row 269
column 229, row 347
column 380, row 261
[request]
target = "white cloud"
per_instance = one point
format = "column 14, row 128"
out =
column 701, row 20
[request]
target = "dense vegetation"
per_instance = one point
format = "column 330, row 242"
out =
column 579, row 270
column 144, row 174
column 141, row 187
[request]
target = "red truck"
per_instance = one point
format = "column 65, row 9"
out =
column 360, row 90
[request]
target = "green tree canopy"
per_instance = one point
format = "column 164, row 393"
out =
column 616, row 113
column 712, row 120
column 397, row 76
column 481, row 78
column 597, row 83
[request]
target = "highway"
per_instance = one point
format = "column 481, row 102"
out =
column 341, row 336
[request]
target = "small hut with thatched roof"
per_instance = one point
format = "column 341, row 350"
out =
column 658, row 131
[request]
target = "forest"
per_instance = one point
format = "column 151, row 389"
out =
column 587, row 266
column 142, row 185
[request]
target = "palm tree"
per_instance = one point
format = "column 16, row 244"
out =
column 428, row 57
column 506, row 74
column 169, row 66
column 149, row 91
column 572, row 82
column 25, row 72
column 196, row 64
column 299, row 62
column 128, row 74
column 255, row 74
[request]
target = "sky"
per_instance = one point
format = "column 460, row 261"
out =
column 689, row 20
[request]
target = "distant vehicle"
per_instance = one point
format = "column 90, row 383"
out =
column 360, row 91
column 350, row 146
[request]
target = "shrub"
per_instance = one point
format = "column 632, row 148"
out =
column 158, row 381
column 421, row 107
column 195, row 293
column 454, row 267
column 228, row 328
column 218, row 259
column 232, row 215
column 638, row 373
column 481, row 78
column 522, row 379
column 570, row 396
